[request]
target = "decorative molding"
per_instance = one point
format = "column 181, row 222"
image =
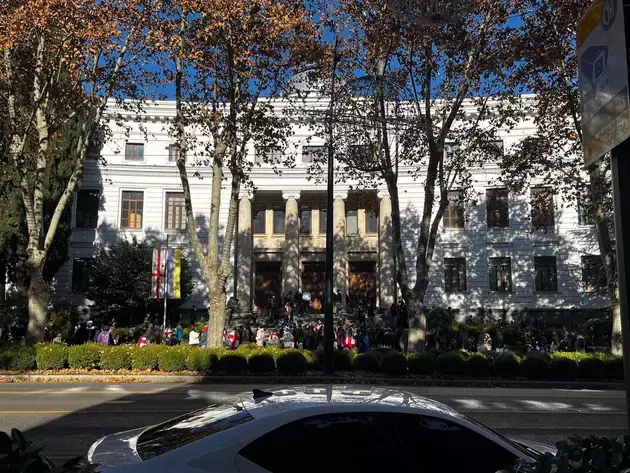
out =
column 341, row 195
column 291, row 195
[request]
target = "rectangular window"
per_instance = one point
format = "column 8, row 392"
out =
column 593, row 273
column 173, row 153
column 361, row 153
column 80, row 280
column 131, row 210
column 352, row 222
column 305, row 219
column 134, row 152
column 455, row 274
column 88, row 201
column 495, row 147
column 260, row 216
column 322, row 219
column 371, row 222
column 268, row 156
column 497, row 208
column 585, row 209
column 542, row 208
column 312, row 154
column 546, row 273
column 500, row 275
column 454, row 213
column 278, row 219
column 175, row 211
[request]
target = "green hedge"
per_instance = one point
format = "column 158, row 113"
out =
column 450, row 364
column 367, row 362
column 86, row 356
column 146, row 358
column 261, row 363
column 256, row 360
column 394, row 363
column 422, row 363
column 172, row 360
column 116, row 358
column 51, row 356
column 232, row 363
column 291, row 362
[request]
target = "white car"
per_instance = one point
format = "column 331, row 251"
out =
column 314, row 429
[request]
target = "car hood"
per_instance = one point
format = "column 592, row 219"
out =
column 115, row 450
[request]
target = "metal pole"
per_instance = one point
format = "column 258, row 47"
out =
column 620, row 163
column 329, row 367
column 165, row 282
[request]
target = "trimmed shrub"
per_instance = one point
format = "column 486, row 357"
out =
column 261, row 363
column 86, row 356
column 450, row 364
column 535, row 367
column 18, row 358
column 233, row 363
column 313, row 360
column 465, row 354
column 202, row 360
column 116, row 358
column 394, row 363
column 477, row 366
column 172, row 360
column 366, row 362
column 564, row 369
column 422, row 363
column 506, row 365
column 51, row 356
column 291, row 362
column 614, row 369
column 146, row 358
column 592, row 368
column 342, row 360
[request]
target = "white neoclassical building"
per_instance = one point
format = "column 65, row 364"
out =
column 487, row 256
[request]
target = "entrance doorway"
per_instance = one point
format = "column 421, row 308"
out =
column 363, row 280
column 313, row 277
column 268, row 283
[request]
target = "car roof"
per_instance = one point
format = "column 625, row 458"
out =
column 266, row 402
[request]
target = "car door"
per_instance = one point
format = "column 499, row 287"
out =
column 350, row 441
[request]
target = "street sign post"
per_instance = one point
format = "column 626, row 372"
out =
column 603, row 74
column 603, row 71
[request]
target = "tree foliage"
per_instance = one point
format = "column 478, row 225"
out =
column 120, row 283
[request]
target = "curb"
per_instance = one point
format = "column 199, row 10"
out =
column 375, row 380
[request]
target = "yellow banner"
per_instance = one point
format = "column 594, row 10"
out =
column 589, row 21
column 177, row 274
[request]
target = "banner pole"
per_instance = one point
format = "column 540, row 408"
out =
column 165, row 283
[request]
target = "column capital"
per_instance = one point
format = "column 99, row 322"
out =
column 291, row 195
column 341, row 195
column 382, row 193
column 246, row 194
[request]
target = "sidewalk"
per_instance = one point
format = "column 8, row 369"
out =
column 312, row 379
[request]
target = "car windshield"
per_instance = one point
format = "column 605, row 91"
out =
column 189, row 428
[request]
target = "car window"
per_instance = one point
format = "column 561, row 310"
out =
column 332, row 442
column 438, row 445
column 188, row 428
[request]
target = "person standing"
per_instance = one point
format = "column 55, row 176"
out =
column 179, row 333
column 193, row 337
column 260, row 337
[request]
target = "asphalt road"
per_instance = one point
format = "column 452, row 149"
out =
column 68, row 418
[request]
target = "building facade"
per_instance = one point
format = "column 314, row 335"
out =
column 487, row 255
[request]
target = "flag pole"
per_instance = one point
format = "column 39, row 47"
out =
column 165, row 282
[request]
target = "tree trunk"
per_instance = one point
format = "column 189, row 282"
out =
column 3, row 277
column 216, row 318
column 38, row 299
column 616, row 345
column 417, row 324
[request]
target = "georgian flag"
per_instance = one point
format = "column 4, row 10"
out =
column 166, row 262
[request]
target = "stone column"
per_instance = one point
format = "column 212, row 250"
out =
column 386, row 276
column 340, row 253
column 291, row 256
column 244, row 256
